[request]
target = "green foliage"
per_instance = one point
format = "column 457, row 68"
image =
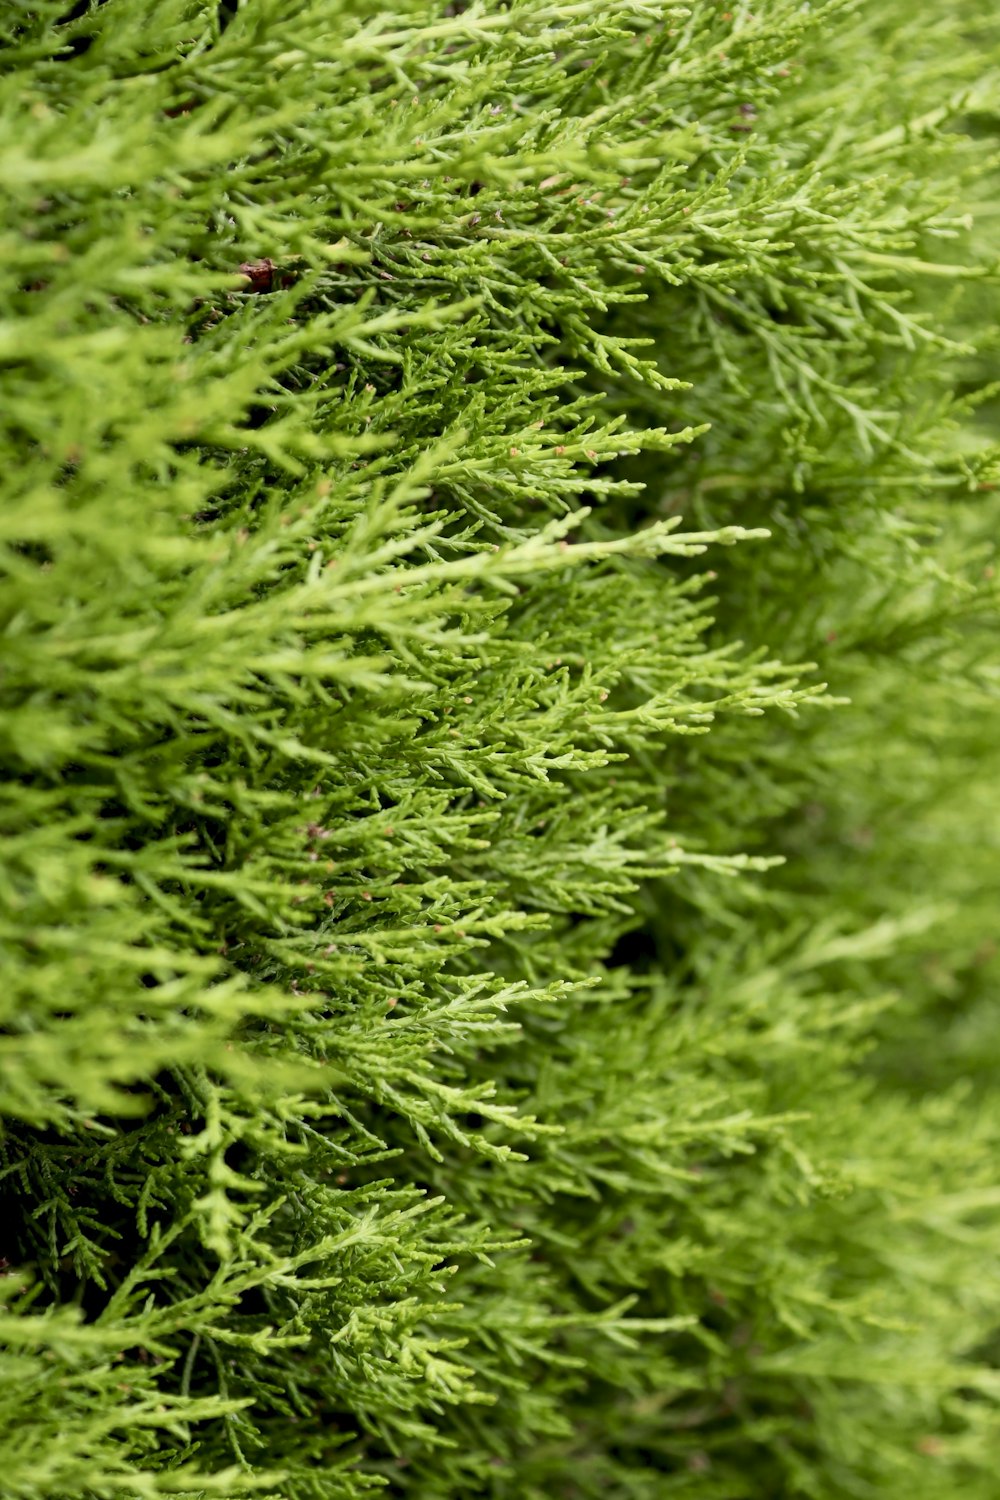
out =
column 498, row 711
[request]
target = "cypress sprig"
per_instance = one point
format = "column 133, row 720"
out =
column 498, row 708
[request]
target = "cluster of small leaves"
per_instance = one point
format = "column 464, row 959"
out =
column 446, row 450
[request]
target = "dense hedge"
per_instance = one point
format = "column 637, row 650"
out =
column 498, row 713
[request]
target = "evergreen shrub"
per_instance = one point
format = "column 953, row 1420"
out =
column 498, row 712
